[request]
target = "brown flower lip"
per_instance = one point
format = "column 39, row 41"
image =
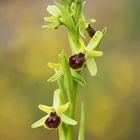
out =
column 76, row 61
column 90, row 31
column 53, row 121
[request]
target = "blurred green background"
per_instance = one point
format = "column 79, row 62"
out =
column 112, row 98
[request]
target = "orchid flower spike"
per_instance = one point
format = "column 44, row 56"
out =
column 55, row 115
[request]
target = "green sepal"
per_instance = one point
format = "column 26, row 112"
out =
column 54, row 10
column 56, row 99
column 68, row 120
column 39, row 123
column 78, row 78
column 53, row 25
column 74, row 45
column 94, row 41
column 104, row 31
column 55, row 22
column 91, row 65
column 82, row 124
column 58, row 75
column 57, row 102
column 51, row 19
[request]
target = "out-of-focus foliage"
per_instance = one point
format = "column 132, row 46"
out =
column 112, row 97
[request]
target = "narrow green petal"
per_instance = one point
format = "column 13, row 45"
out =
column 94, row 41
column 63, row 108
column 82, row 124
column 94, row 53
column 39, row 123
column 78, row 78
column 68, row 120
column 83, row 46
column 56, row 99
column 91, row 65
column 45, row 108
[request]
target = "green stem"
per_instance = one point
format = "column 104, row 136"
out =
column 70, row 131
column 63, row 99
column 74, row 42
column 68, row 82
column 62, row 133
column 69, row 85
column 71, row 89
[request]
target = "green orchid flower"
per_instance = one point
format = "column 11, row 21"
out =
column 55, row 18
column 90, row 52
column 55, row 114
column 86, row 54
column 59, row 73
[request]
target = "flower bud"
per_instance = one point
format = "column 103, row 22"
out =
column 90, row 31
column 53, row 121
column 76, row 61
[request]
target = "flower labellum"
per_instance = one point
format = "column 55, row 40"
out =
column 76, row 61
column 90, row 31
column 53, row 121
